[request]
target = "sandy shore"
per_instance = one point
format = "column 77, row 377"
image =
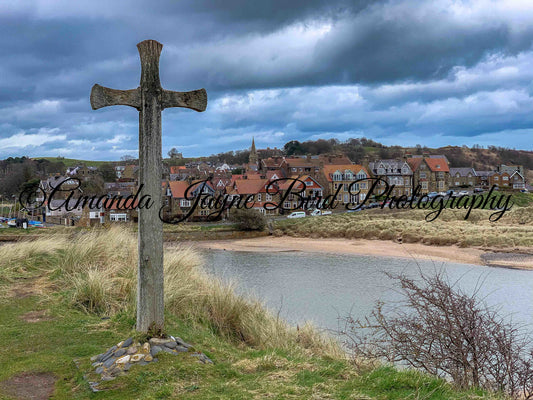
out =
column 379, row 248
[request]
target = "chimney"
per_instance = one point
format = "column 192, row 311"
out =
column 308, row 157
column 366, row 161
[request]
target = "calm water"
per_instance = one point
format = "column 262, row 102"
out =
column 321, row 287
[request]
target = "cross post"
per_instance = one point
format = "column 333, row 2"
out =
column 149, row 99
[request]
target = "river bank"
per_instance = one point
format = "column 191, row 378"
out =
column 379, row 248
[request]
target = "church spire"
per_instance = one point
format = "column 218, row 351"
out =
column 253, row 153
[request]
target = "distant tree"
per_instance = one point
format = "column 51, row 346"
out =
column 127, row 157
column 174, row 153
column 108, row 172
column 293, row 147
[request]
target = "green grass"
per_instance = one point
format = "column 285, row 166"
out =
column 248, row 364
column 72, row 162
column 238, row 372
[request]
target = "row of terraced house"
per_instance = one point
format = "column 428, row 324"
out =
column 269, row 183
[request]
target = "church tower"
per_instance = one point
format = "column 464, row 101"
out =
column 253, row 154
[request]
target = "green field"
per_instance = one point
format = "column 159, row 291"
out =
column 72, row 162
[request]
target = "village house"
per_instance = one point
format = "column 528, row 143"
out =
column 254, row 187
column 462, row 177
column 177, row 205
column 311, row 189
column 130, row 172
column 67, row 185
column 120, row 188
column 119, row 169
column 394, row 172
column 339, row 180
column 430, row 172
column 516, row 175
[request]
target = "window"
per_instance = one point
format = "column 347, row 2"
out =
column 496, row 177
column 348, row 175
column 381, row 171
column 424, row 185
column 423, row 175
column 118, row 217
column 361, row 175
column 335, row 186
column 337, row 176
column 287, row 205
column 441, row 184
column 268, row 197
column 185, row 203
column 258, row 196
column 505, row 178
column 308, row 183
column 346, row 186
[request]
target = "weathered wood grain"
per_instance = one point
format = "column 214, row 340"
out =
column 105, row 97
column 150, row 99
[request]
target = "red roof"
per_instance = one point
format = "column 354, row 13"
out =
column 414, row 162
column 178, row 188
column 437, row 164
column 176, row 169
column 249, row 186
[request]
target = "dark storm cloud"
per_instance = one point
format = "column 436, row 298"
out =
column 275, row 70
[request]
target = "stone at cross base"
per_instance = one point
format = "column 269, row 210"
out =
column 149, row 99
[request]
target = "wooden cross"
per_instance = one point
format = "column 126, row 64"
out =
column 149, row 99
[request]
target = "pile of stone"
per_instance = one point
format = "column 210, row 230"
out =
column 118, row 359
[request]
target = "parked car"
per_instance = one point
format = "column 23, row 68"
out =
column 432, row 194
column 524, row 191
column 443, row 194
column 297, row 214
column 478, row 190
column 317, row 211
column 463, row 193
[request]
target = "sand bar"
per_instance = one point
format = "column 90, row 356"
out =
column 381, row 248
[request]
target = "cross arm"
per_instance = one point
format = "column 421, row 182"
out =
column 195, row 100
column 104, row 97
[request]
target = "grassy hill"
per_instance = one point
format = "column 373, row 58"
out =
column 72, row 162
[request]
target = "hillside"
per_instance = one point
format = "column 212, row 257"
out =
column 72, row 162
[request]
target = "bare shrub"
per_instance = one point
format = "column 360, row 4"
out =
column 248, row 220
column 440, row 329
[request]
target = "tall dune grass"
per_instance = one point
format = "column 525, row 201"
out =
column 97, row 272
column 515, row 229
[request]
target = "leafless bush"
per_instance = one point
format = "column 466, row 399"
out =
column 439, row 328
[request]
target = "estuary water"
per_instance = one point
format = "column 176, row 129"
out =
column 321, row 287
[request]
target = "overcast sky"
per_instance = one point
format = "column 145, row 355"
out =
column 400, row 72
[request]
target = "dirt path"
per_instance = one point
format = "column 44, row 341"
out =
column 29, row 386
